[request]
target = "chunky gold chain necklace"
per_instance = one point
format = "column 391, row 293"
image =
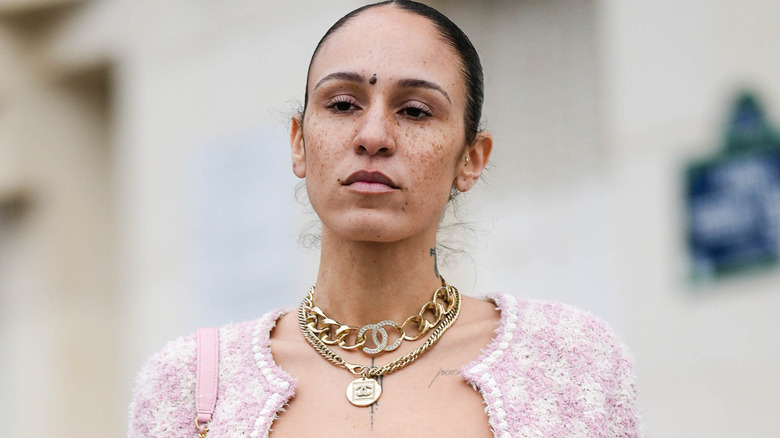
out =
column 332, row 332
column 365, row 390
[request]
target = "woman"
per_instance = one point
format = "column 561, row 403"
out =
column 388, row 132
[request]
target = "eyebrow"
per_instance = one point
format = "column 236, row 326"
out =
column 421, row 83
column 342, row 75
column 404, row 83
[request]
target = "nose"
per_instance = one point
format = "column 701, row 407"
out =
column 375, row 134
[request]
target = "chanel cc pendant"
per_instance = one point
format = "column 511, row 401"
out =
column 363, row 392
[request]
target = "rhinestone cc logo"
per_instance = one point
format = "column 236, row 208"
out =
column 379, row 336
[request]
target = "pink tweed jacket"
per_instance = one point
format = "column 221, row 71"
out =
column 550, row 371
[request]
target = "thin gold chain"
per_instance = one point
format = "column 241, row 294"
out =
column 370, row 371
column 332, row 332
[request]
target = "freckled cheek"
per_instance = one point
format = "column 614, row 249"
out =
column 324, row 148
column 434, row 166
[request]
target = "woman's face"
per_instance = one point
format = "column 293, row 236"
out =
column 383, row 137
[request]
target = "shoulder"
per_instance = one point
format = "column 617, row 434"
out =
column 561, row 337
column 554, row 327
column 561, row 334
column 555, row 359
column 164, row 392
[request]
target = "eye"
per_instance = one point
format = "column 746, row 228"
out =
column 341, row 104
column 416, row 110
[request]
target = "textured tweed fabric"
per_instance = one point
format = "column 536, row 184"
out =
column 551, row 371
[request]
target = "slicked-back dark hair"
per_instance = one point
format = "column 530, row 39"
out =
column 471, row 68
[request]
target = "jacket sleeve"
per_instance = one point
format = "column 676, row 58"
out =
column 163, row 403
column 603, row 369
column 624, row 419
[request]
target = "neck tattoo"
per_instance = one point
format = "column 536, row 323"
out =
column 435, row 262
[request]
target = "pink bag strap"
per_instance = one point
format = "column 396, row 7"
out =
column 206, row 377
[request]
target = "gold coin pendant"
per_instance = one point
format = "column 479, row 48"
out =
column 363, row 392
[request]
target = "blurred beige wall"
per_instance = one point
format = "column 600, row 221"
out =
column 595, row 108
column 706, row 354
column 58, row 302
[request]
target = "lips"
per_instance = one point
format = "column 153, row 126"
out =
column 368, row 177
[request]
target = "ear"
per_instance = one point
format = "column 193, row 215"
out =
column 297, row 147
column 478, row 153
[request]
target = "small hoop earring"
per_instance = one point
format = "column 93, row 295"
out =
column 467, row 161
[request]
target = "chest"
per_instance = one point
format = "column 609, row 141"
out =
column 427, row 398
column 428, row 401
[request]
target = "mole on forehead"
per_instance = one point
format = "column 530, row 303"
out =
column 372, row 79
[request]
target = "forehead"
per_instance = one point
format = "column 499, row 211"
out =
column 391, row 43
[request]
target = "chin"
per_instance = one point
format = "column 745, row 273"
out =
column 370, row 232
column 372, row 227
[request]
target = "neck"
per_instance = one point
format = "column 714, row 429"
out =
column 366, row 282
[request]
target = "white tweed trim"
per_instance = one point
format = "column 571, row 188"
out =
column 488, row 386
column 265, row 364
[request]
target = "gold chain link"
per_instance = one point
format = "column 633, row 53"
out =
column 450, row 315
column 332, row 332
